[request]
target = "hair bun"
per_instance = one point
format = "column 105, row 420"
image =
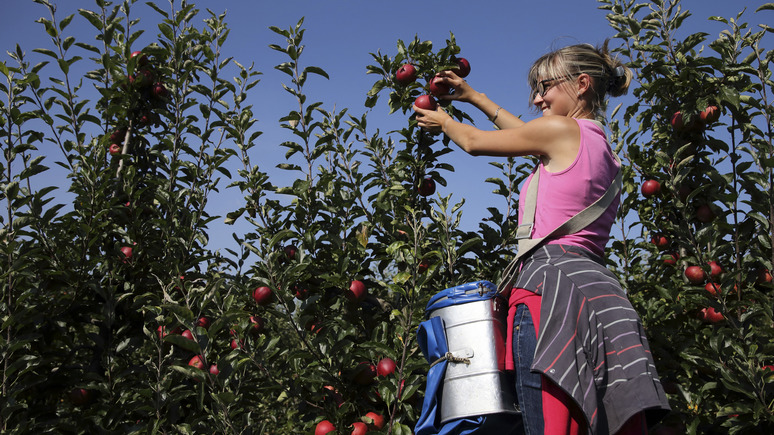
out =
column 617, row 78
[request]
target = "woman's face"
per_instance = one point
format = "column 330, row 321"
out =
column 553, row 97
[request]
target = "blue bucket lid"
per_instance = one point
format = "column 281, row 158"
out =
column 470, row 292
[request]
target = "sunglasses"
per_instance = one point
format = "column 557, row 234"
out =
column 544, row 85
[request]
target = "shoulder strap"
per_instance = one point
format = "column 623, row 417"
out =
column 574, row 224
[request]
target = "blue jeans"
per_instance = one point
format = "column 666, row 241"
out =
column 528, row 384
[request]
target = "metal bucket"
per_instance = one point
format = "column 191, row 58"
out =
column 475, row 319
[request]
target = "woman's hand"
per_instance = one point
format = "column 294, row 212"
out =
column 462, row 90
column 431, row 120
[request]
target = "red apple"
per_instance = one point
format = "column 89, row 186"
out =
column 114, row 149
column 365, row 372
column 142, row 60
column 406, row 74
column 704, row 213
column 386, row 366
column 715, row 270
column 159, row 90
column 324, row 427
column 357, row 291
column 377, row 420
column 424, row 264
column 426, row 187
column 712, row 288
column 313, row 325
column 426, row 102
column 143, row 78
column 672, row 259
column 128, row 252
column 710, row 115
column 661, row 241
column 677, row 121
column 290, row 251
column 204, row 322
column 262, row 295
column 236, row 344
column 214, row 370
column 118, row 135
column 359, row 428
column 709, row 315
column 300, row 291
column 197, row 362
column 80, row 396
column 650, row 188
column 188, row 334
column 764, row 277
column 695, row 275
column 163, row 332
column 437, row 87
column 463, row 67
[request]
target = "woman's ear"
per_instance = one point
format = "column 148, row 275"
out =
column 583, row 84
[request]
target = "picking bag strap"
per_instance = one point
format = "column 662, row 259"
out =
column 572, row 225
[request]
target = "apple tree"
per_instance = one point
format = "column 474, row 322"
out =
column 696, row 254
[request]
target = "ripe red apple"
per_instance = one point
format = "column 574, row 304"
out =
column 715, row 270
column 128, row 252
column 142, row 60
column 204, row 322
column 677, row 121
column 214, row 370
column 463, row 67
column 159, row 90
column 426, row 187
column 114, row 149
column 424, row 264
column 80, row 396
column 188, row 334
column 406, row 74
column 300, row 292
column 695, row 275
column 426, row 102
column 236, row 344
column 357, row 291
column 197, row 362
column 290, row 251
column 386, row 366
column 661, row 241
column 764, row 277
column 118, row 135
column 262, row 295
column 650, row 188
column 710, row 115
column 324, row 427
column 359, row 428
column 377, row 420
column 163, row 331
column 672, row 259
column 437, row 87
column 365, row 372
column 713, row 288
column 704, row 213
column 709, row 315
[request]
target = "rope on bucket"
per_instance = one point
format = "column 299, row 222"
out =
column 451, row 358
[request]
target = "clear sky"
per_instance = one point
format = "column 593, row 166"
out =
column 499, row 38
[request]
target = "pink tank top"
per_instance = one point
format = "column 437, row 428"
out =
column 563, row 194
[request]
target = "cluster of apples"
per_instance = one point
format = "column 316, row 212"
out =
column 407, row 73
column 148, row 92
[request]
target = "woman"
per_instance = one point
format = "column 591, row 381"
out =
column 581, row 358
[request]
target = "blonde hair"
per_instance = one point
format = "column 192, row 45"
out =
column 609, row 76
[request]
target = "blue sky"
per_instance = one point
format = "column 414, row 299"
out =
column 499, row 38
